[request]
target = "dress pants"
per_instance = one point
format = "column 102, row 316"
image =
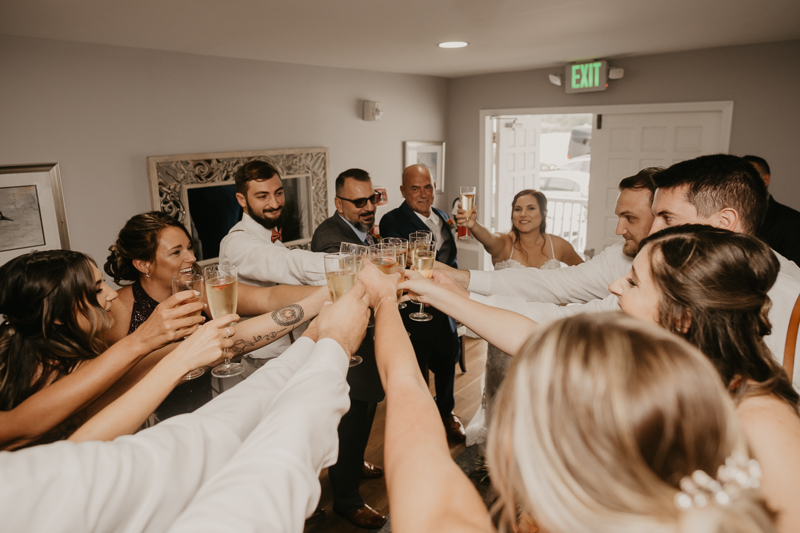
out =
column 345, row 475
column 437, row 348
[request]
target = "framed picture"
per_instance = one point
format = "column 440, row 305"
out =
column 198, row 190
column 430, row 154
column 32, row 215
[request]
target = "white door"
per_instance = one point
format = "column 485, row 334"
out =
column 517, row 164
column 624, row 143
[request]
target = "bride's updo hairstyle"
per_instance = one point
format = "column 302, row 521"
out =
column 43, row 296
column 713, row 286
column 607, row 424
column 138, row 239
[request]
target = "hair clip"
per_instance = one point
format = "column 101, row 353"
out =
column 737, row 474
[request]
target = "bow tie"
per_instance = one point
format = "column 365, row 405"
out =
column 277, row 234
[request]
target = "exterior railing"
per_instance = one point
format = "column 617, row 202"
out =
column 566, row 217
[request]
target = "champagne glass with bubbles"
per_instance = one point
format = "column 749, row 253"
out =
column 222, row 291
column 401, row 249
column 467, row 204
column 190, row 282
column 341, row 275
column 424, row 257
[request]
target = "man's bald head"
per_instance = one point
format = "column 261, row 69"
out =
column 417, row 188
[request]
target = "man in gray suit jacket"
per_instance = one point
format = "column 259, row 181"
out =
column 355, row 214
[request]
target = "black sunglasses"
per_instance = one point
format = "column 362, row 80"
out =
column 361, row 202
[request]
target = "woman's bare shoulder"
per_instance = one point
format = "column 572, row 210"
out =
column 767, row 415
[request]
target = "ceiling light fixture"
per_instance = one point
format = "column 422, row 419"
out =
column 453, row 44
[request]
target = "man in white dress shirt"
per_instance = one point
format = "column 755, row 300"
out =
column 254, row 245
column 264, row 441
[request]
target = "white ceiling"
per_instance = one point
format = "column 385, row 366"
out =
column 401, row 35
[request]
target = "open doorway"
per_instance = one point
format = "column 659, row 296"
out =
column 550, row 153
column 620, row 140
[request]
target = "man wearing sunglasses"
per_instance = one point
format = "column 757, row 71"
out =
column 355, row 202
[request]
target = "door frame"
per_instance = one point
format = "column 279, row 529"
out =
column 485, row 159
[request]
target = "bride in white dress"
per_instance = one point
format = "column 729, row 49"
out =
column 526, row 245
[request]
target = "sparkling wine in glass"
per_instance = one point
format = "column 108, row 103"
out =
column 424, row 258
column 467, row 204
column 190, row 282
column 222, row 291
column 401, row 247
column 341, row 276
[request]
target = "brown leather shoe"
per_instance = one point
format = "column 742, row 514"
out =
column 454, row 428
column 316, row 516
column 371, row 471
column 366, row 517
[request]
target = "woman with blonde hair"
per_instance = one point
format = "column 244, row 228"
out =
column 604, row 424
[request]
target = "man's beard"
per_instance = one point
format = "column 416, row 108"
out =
column 630, row 248
column 268, row 223
column 364, row 227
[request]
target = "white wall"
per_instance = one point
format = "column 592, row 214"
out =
column 99, row 111
column 762, row 80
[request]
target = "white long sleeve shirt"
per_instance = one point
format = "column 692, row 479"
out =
column 260, row 262
column 256, row 442
column 528, row 292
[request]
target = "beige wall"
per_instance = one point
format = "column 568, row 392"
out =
column 762, row 80
column 99, row 111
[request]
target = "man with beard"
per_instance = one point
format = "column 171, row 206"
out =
column 254, row 245
column 352, row 222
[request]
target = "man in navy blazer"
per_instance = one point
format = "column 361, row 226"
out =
column 436, row 342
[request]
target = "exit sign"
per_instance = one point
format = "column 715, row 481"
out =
column 586, row 77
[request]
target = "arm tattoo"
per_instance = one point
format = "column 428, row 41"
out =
column 288, row 316
column 242, row 346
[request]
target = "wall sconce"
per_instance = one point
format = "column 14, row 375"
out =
column 372, row 110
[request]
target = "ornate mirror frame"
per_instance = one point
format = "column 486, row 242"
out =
column 169, row 175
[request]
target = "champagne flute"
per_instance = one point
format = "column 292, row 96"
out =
column 190, row 282
column 424, row 258
column 358, row 251
column 401, row 246
column 341, row 275
column 222, row 290
column 467, row 204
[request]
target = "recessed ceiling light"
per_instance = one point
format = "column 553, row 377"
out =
column 453, row 44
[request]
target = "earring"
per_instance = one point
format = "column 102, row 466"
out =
column 147, row 274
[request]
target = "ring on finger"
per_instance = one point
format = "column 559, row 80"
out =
column 229, row 333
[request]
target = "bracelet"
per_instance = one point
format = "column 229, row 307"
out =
column 393, row 298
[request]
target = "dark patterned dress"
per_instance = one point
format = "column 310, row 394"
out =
column 187, row 396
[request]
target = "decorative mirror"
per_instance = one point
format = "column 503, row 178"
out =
column 199, row 191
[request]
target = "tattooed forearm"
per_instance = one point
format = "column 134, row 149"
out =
column 288, row 316
column 243, row 346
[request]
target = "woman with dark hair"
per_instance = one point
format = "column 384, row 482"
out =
column 527, row 244
column 709, row 286
column 150, row 250
column 54, row 369
column 53, row 361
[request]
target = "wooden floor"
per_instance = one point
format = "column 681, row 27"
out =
column 467, row 394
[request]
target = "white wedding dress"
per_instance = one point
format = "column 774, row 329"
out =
column 497, row 361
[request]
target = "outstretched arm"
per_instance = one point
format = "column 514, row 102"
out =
column 51, row 406
column 505, row 329
column 427, row 490
column 127, row 413
column 254, row 301
column 495, row 243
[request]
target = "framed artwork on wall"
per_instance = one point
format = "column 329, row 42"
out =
column 32, row 215
column 430, row 154
column 199, row 191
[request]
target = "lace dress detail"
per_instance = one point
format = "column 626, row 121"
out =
column 550, row 264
